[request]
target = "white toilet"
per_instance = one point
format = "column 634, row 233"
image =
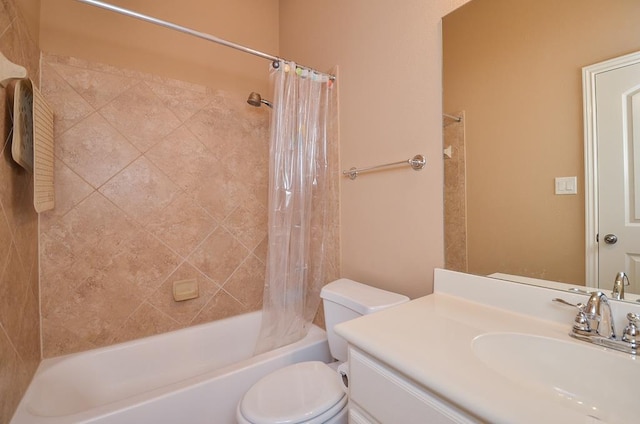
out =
column 312, row 392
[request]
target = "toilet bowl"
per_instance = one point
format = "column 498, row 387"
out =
column 306, row 392
column 312, row 392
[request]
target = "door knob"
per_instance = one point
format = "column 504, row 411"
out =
column 611, row 239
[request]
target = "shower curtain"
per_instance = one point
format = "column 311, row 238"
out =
column 298, row 194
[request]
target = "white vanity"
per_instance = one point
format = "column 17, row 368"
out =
column 484, row 350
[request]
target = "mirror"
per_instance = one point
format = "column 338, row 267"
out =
column 513, row 72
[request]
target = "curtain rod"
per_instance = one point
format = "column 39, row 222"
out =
column 190, row 31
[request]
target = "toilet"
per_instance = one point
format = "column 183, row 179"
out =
column 312, row 392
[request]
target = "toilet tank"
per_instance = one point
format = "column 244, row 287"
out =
column 346, row 299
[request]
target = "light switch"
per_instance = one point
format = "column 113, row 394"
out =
column 567, row 185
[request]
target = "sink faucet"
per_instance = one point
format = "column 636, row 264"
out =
column 598, row 312
column 618, row 286
column 594, row 324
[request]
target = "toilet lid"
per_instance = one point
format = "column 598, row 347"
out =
column 293, row 394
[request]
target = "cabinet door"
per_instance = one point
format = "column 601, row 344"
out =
column 390, row 398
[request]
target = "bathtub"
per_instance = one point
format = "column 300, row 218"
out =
column 191, row 376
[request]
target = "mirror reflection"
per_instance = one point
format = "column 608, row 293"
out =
column 513, row 73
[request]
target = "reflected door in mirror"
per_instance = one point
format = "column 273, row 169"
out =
column 617, row 120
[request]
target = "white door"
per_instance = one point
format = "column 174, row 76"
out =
column 617, row 127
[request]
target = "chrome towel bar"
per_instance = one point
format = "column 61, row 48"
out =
column 417, row 163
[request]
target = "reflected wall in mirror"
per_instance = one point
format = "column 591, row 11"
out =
column 514, row 69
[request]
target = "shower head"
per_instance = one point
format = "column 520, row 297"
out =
column 256, row 100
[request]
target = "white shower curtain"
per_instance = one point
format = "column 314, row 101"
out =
column 298, row 193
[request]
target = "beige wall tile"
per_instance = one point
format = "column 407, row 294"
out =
column 141, row 116
column 156, row 204
column 222, row 305
column 86, row 146
column 70, row 189
column 182, row 225
column 247, row 283
column 176, row 156
column 219, row 255
column 11, row 382
column 69, row 107
column 145, row 321
column 184, row 102
column 5, row 238
column 141, row 190
column 19, row 315
column 184, row 311
column 140, row 265
column 165, row 181
column 455, row 218
column 261, row 250
column 222, row 193
column 248, row 223
column 13, row 288
column 96, row 87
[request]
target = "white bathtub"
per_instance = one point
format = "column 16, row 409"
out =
column 191, row 376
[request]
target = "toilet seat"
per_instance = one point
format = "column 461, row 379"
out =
column 306, row 392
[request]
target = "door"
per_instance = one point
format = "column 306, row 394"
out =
column 617, row 127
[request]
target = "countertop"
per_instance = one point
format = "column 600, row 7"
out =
column 430, row 340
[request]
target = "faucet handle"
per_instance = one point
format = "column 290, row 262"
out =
column 631, row 333
column 580, row 305
column 580, row 323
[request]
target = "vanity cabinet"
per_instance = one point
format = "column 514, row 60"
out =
column 380, row 395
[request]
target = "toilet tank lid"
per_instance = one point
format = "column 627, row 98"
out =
column 359, row 297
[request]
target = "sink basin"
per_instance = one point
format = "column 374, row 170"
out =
column 598, row 382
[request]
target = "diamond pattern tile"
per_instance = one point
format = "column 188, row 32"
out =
column 70, row 189
column 183, row 102
column 184, row 159
column 185, row 311
column 141, row 190
column 96, row 87
column 219, row 255
column 142, row 193
column 69, row 106
column 141, row 116
column 159, row 181
column 85, row 147
column 182, row 225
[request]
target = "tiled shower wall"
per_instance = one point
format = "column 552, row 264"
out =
column 19, row 317
column 455, row 207
column 157, row 181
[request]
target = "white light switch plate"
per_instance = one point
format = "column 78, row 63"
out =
column 567, row 185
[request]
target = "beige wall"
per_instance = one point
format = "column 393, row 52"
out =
column 19, row 315
column 515, row 69
column 70, row 28
column 30, row 10
column 390, row 104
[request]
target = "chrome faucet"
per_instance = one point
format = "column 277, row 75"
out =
column 594, row 318
column 618, row 286
column 594, row 324
column 598, row 312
